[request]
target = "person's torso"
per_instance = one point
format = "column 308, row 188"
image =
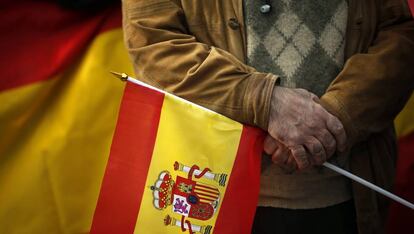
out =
column 221, row 24
column 300, row 41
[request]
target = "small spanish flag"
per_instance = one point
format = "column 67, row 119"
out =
column 176, row 167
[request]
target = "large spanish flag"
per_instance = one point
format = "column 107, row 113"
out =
column 58, row 111
column 177, row 167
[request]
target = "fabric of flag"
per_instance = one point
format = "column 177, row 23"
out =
column 411, row 6
column 58, row 112
column 400, row 217
column 176, row 167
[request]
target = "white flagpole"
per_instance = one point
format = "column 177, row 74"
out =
column 125, row 77
column 369, row 185
column 339, row 170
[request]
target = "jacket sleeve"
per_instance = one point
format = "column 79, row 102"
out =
column 166, row 55
column 373, row 87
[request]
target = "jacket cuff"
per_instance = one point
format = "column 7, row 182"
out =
column 334, row 106
column 257, row 98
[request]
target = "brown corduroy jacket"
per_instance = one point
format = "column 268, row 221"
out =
column 196, row 49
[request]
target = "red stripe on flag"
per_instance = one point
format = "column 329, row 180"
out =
column 129, row 160
column 400, row 217
column 411, row 5
column 243, row 184
column 39, row 39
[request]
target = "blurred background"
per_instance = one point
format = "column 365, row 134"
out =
column 58, row 110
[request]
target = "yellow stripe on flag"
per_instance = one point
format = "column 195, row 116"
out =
column 404, row 123
column 176, row 143
column 55, row 141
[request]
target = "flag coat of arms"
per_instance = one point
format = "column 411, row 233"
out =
column 176, row 167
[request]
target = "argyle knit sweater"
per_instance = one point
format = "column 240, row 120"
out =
column 301, row 41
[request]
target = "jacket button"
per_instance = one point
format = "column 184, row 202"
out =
column 233, row 23
column 264, row 9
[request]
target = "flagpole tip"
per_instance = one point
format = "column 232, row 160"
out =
column 121, row 76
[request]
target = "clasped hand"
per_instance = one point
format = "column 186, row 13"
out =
column 301, row 132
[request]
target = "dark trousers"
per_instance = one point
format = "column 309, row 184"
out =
column 337, row 219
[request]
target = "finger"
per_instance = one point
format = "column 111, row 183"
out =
column 291, row 163
column 327, row 140
column 280, row 156
column 300, row 155
column 337, row 129
column 316, row 151
column 315, row 98
column 289, row 166
column 269, row 145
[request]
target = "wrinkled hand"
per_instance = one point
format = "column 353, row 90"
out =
column 302, row 125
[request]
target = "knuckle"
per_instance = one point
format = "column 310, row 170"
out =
column 298, row 150
column 324, row 134
column 314, row 146
column 294, row 139
column 328, row 142
column 301, row 158
column 331, row 145
column 339, row 128
column 320, row 110
column 281, row 137
column 317, row 148
column 315, row 99
column 313, row 123
column 335, row 124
